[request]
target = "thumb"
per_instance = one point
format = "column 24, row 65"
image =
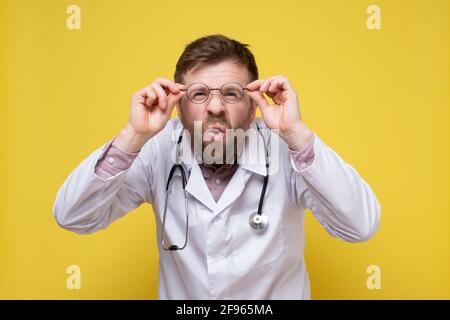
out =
column 260, row 100
column 172, row 100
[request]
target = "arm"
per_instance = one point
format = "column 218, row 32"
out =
column 89, row 200
column 336, row 194
column 98, row 192
column 320, row 180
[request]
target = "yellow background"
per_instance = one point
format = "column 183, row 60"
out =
column 379, row 98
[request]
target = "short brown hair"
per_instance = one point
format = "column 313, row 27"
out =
column 213, row 49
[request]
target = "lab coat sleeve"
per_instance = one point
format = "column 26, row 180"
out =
column 86, row 203
column 337, row 195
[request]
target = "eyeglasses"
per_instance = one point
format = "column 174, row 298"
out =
column 199, row 92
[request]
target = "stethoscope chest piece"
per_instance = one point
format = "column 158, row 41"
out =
column 258, row 221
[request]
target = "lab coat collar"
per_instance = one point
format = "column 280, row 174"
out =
column 251, row 158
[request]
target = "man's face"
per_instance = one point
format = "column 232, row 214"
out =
column 215, row 114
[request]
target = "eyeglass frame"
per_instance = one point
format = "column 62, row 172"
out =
column 220, row 89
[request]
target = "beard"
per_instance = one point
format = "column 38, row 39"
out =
column 219, row 144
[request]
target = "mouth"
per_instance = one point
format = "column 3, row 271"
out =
column 217, row 128
column 214, row 132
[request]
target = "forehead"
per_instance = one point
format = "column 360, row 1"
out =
column 218, row 74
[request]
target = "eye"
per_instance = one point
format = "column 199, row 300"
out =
column 231, row 93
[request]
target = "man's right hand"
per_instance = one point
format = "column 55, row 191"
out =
column 151, row 108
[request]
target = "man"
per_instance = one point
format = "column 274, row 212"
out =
column 222, row 250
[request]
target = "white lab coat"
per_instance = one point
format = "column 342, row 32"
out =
column 225, row 258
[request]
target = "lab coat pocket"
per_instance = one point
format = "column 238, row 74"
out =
column 255, row 249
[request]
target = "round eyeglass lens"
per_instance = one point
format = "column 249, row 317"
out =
column 197, row 92
column 232, row 92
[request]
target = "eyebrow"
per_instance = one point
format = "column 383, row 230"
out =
column 187, row 85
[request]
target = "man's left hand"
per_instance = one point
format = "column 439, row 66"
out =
column 284, row 113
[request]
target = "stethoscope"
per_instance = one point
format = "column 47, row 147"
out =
column 257, row 220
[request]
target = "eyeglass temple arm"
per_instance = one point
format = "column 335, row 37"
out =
column 216, row 89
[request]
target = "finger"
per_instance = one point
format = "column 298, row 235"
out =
column 149, row 96
column 172, row 101
column 167, row 84
column 181, row 86
column 265, row 86
column 169, row 108
column 174, row 98
column 162, row 97
column 261, row 102
column 283, row 83
column 254, row 85
column 276, row 86
column 273, row 79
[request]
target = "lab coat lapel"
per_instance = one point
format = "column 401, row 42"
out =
column 196, row 185
column 198, row 188
column 248, row 165
column 232, row 190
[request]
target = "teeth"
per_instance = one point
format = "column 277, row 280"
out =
column 215, row 131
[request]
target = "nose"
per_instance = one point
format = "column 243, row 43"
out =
column 215, row 103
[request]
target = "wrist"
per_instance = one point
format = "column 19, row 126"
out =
column 130, row 141
column 298, row 137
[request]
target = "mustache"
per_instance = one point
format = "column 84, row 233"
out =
column 217, row 120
